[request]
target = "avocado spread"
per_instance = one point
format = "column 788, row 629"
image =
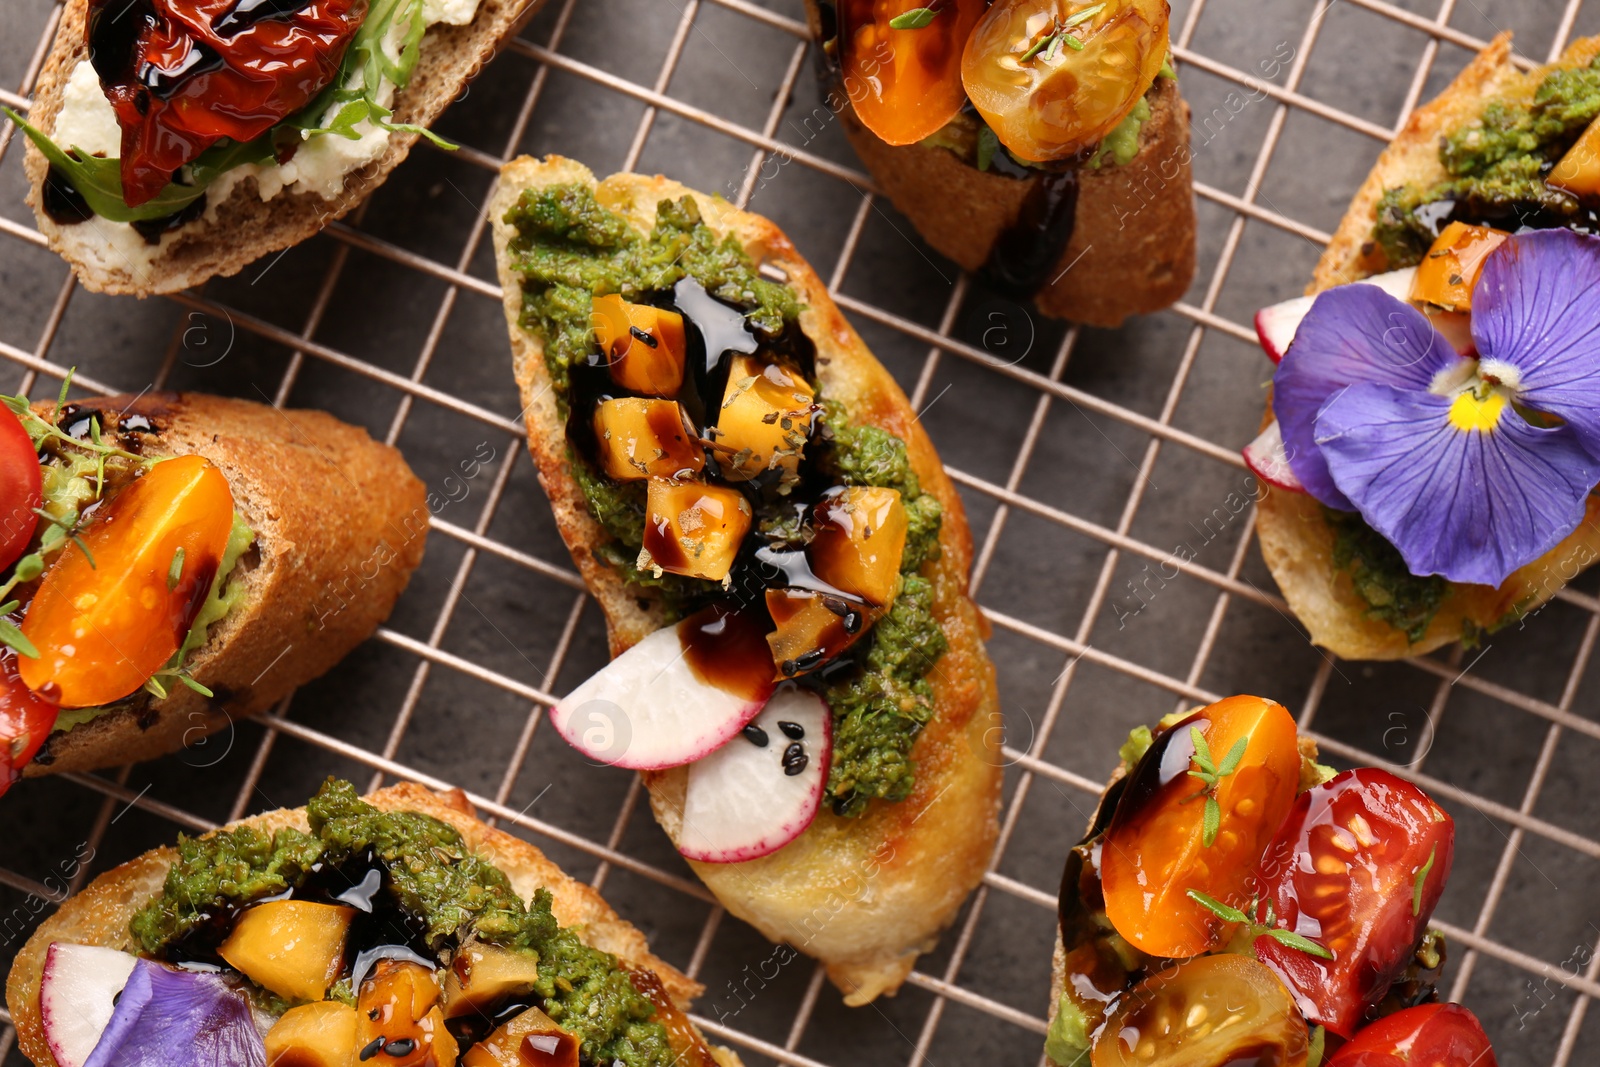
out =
column 1496, row 167
column 438, row 884
column 569, row 249
column 1380, row 576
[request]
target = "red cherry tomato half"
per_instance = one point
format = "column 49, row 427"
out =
column 1432, row 1035
column 1345, row 870
column 20, row 487
column 104, row 627
column 25, row 721
column 1155, row 850
column 904, row 84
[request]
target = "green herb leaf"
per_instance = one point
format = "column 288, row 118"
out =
column 988, row 143
column 915, row 19
column 1230, row 762
column 1072, row 42
column 28, row 568
column 66, row 384
column 196, row 686
column 1213, row 821
column 1082, row 16
column 87, row 554
column 1314, row 1047
column 1222, row 911
column 1202, row 751
column 1301, row 944
column 12, row 636
column 175, row 572
column 1422, row 878
column 153, row 686
column 9, row 606
column 1038, row 46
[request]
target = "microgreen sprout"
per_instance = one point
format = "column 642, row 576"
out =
column 1422, row 878
column 1211, row 775
column 914, row 19
column 175, row 572
column 1267, row 928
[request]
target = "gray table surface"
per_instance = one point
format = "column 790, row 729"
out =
column 1084, row 462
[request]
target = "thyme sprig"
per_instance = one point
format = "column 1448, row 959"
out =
column 1050, row 44
column 1269, row 927
column 1211, row 775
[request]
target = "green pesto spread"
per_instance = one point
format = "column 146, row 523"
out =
column 436, row 881
column 1496, row 165
column 569, row 249
column 1381, row 579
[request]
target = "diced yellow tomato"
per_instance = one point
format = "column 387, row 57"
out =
column 764, row 420
column 111, row 613
column 1448, row 272
column 482, row 973
column 399, row 1017
column 293, row 947
column 641, row 438
column 320, row 1034
column 1578, row 172
column 531, row 1039
column 644, row 346
column 813, row 628
column 860, row 541
column 693, row 529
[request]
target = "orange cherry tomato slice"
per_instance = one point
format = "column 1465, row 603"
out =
column 103, row 628
column 1053, row 77
column 25, row 721
column 1155, row 850
column 905, row 84
column 20, row 487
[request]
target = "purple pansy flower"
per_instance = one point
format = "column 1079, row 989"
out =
column 1455, row 460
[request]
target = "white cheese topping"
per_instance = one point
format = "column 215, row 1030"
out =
column 320, row 165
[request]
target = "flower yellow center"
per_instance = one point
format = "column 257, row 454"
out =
column 1472, row 412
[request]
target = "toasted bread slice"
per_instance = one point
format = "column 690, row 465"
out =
column 1296, row 540
column 245, row 227
column 1132, row 248
column 864, row 895
column 100, row 914
column 340, row 523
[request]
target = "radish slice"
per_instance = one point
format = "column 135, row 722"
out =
column 77, row 991
column 672, row 698
column 1276, row 325
column 1269, row 460
column 761, row 790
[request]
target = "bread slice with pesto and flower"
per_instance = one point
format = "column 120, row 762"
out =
column 1234, row 901
column 1042, row 142
column 172, row 141
column 1433, row 438
column 172, row 561
column 396, row 930
column 781, row 559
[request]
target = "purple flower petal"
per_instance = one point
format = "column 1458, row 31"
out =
column 1471, row 505
column 1537, row 307
column 168, row 1018
column 1352, row 334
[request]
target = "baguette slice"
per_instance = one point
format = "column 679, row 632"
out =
column 247, row 227
column 340, row 522
column 865, row 895
column 100, row 914
column 1296, row 540
column 1132, row 248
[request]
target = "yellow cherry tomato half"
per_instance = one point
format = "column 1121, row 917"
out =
column 1156, row 849
column 107, row 619
column 904, row 84
column 1216, row 1010
column 1053, row 77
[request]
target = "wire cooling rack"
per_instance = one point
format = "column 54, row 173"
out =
column 1100, row 470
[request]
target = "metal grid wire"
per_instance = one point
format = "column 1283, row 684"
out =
column 1292, row 102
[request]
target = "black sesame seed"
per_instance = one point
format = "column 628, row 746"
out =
column 852, row 623
column 400, row 1046
column 808, row 660
column 789, row 667
column 792, row 730
column 836, row 605
column 372, row 1050
column 642, row 337
column 794, row 759
column 755, row 735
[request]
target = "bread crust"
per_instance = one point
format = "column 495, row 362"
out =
column 100, row 914
column 1132, row 249
column 864, row 895
column 246, row 227
column 340, row 523
column 1296, row 541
